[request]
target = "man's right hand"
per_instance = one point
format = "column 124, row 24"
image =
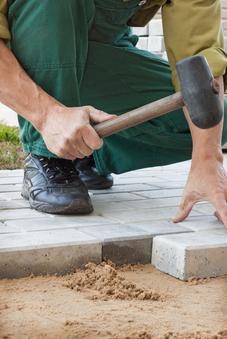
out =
column 68, row 133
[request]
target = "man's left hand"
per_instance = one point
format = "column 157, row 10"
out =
column 207, row 181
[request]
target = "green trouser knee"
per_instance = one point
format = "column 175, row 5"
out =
column 81, row 56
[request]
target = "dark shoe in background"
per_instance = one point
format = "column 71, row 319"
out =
column 54, row 186
column 90, row 176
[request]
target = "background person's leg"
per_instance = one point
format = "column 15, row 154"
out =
column 50, row 40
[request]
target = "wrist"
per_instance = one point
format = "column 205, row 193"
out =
column 46, row 112
column 212, row 153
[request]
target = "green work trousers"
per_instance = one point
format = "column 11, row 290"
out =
column 83, row 53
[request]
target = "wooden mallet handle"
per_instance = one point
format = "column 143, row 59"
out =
column 140, row 115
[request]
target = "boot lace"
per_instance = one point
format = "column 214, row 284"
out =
column 59, row 170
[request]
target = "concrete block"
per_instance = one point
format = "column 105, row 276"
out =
column 11, row 180
column 153, row 203
column 201, row 223
column 22, row 213
column 158, row 194
column 51, row 222
column 10, row 196
column 165, row 184
column 11, row 173
column 122, row 244
column 7, row 116
column 225, row 42
column 11, row 188
column 114, row 197
column 128, row 251
column 143, row 43
column 160, row 227
column 155, row 27
column 115, row 232
column 133, row 215
column 14, row 204
column 141, row 31
column 102, row 208
column 131, row 187
column 199, row 254
column 7, row 229
column 165, row 56
column 204, row 208
column 59, row 251
column 156, row 44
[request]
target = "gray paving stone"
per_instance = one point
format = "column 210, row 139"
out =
column 131, row 215
column 32, row 240
column 116, row 197
column 202, row 223
column 8, row 229
column 102, row 208
column 127, row 217
column 11, row 180
column 14, row 204
column 128, row 252
column 132, row 187
column 11, row 173
column 22, row 213
column 140, row 180
column 165, row 184
column 160, row 227
column 48, row 252
column 160, row 193
column 205, row 208
column 153, row 203
column 122, row 243
column 57, row 222
column 115, row 232
column 10, row 188
column 10, row 196
column 199, row 254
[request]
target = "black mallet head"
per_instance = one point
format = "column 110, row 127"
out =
column 200, row 92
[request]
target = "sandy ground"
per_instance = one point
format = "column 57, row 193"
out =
column 103, row 302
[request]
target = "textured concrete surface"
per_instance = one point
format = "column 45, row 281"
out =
column 201, row 254
column 127, row 220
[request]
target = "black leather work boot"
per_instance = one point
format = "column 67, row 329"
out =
column 90, row 176
column 53, row 186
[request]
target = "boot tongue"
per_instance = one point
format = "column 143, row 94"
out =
column 84, row 164
column 59, row 170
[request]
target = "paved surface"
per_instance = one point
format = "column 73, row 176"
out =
column 122, row 228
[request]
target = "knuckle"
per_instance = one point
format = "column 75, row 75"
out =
column 88, row 108
column 98, row 143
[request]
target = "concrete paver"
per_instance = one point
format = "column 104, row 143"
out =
column 129, row 222
column 198, row 254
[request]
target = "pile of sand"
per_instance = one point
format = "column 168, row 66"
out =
column 105, row 282
column 171, row 335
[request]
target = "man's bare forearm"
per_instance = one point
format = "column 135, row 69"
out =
column 66, row 130
column 19, row 92
column 207, row 142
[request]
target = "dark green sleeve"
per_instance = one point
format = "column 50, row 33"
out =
column 194, row 27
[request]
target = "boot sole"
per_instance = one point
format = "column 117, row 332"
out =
column 98, row 186
column 75, row 208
